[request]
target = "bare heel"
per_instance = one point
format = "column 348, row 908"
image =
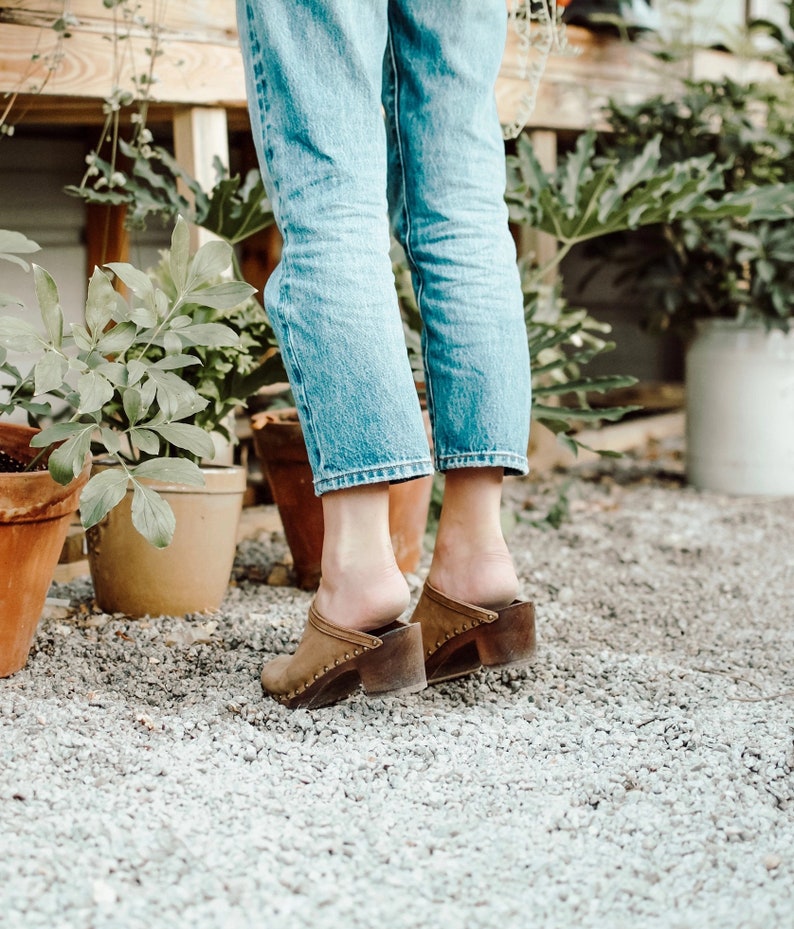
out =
column 510, row 640
column 397, row 666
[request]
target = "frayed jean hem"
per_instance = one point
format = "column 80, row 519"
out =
column 386, row 474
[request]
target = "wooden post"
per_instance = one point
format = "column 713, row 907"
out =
column 200, row 134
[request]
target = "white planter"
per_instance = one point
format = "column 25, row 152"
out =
column 740, row 409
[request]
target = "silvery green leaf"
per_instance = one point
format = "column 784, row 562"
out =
column 94, row 391
column 49, row 372
column 145, row 440
column 10, row 300
column 152, row 516
column 162, row 304
column 137, row 281
column 174, row 362
column 57, row 433
column 179, row 256
column 212, row 334
column 82, row 338
column 103, row 491
column 171, row 342
column 18, row 335
column 13, row 243
column 148, row 393
column 144, row 316
column 135, row 371
column 131, row 401
column 175, row 397
column 179, row 322
column 67, row 460
column 171, row 471
column 114, row 371
column 223, row 296
column 191, row 438
column 49, row 304
column 117, row 339
column 212, row 259
column 100, row 302
column 110, row 439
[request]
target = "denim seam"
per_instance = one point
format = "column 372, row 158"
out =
column 482, row 459
column 420, row 467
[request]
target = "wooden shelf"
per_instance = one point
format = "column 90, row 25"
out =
column 201, row 66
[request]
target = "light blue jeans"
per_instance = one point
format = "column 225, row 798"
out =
column 362, row 111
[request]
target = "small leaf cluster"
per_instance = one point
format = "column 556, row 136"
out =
column 562, row 340
column 123, row 375
column 234, row 209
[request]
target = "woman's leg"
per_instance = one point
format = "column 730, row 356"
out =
column 447, row 177
column 314, row 74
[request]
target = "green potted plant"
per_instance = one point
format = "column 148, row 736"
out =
column 143, row 382
column 35, row 510
column 587, row 197
column 726, row 283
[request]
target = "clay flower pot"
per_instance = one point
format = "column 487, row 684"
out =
column 35, row 513
column 191, row 575
column 279, row 444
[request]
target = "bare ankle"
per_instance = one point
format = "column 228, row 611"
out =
column 482, row 576
column 363, row 598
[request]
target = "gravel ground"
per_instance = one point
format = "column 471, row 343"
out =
column 638, row 775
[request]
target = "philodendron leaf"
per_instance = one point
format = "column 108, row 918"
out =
column 191, row 438
column 103, row 491
column 49, row 372
column 100, row 302
column 170, row 471
column 152, row 516
column 49, row 304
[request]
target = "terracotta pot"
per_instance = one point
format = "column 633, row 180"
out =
column 191, row 575
column 279, row 444
column 35, row 512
